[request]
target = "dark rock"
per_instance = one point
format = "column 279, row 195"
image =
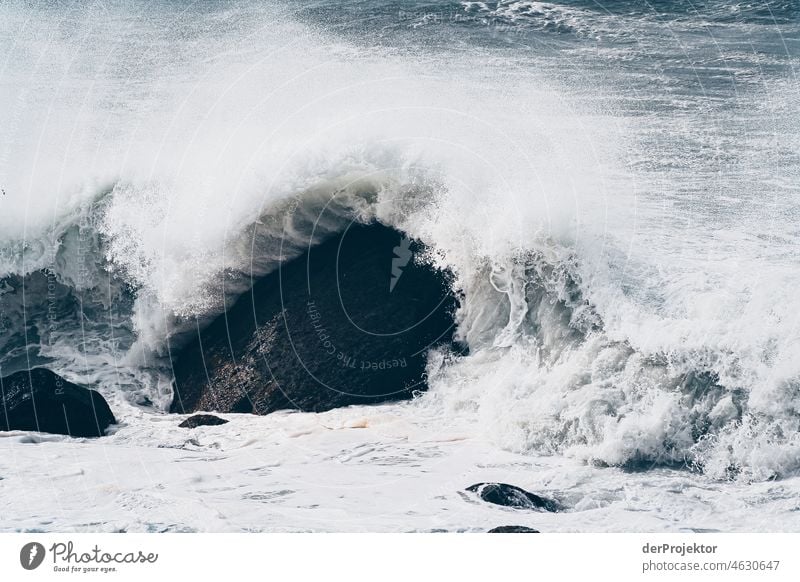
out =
column 43, row 401
column 513, row 529
column 349, row 322
column 511, row 496
column 202, row 420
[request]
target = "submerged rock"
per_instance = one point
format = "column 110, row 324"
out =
column 202, row 420
column 511, row 496
column 513, row 529
column 349, row 322
column 43, row 401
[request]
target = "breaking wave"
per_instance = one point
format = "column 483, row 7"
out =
column 611, row 313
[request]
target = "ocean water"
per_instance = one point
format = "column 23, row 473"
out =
column 614, row 185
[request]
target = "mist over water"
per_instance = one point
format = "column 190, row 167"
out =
column 614, row 186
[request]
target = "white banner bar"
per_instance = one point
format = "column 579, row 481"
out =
column 465, row 557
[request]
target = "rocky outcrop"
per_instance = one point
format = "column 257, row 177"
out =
column 40, row 400
column 513, row 529
column 511, row 496
column 349, row 322
column 202, row 420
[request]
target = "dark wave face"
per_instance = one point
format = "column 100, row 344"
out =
column 611, row 187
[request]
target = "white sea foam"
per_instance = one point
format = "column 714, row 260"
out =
column 600, row 257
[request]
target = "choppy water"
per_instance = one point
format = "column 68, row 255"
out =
column 614, row 184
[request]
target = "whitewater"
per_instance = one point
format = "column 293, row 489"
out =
column 615, row 188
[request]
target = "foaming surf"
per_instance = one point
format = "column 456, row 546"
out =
column 628, row 286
